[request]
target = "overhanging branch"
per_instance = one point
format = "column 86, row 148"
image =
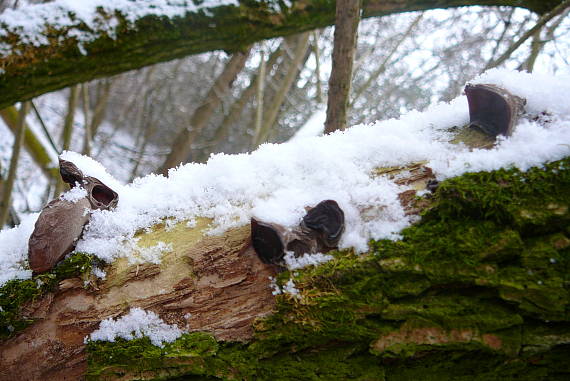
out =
column 28, row 70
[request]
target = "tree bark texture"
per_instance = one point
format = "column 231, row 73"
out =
column 29, row 71
column 478, row 289
column 345, row 36
column 183, row 143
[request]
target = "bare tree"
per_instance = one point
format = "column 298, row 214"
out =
column 345, row 35
column 300, row 46
column 558, row 10
column 183, row 143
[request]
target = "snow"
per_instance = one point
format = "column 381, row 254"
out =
column 74, row 194
column 288, row 288
column 276, row 182
column 312, row 127
column 294, row 263
column 14, row 250
column 88, row 20
column 137, row 255
column 136, row 324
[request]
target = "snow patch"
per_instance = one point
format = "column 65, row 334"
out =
column 74, row 194
column 136, row 324
column 294, row 263
column 14, row 250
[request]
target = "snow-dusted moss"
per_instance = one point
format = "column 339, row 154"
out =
column 478, row 290
column 15, row 293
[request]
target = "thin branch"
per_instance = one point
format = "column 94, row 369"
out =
column 259, row 98
column 44, row 127
column 529, row 33
column 9, row 184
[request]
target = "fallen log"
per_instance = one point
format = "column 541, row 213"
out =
column 478, row 288
column 482, row 279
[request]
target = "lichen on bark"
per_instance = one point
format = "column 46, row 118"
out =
column 478, row 289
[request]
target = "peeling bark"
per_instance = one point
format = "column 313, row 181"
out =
column 219, row 281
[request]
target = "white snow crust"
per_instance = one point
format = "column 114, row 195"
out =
column 134, row 325
column 276, row 182
column 74, row 194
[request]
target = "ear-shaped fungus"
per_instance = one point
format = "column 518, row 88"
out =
column 69, row 172
column 492, row 109
column 100, row 196
column 267, row 241
column 61, row 222
column 57, row 229
column 319, row 231
column 327, row 220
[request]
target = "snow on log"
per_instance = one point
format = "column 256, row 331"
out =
column 476, row 287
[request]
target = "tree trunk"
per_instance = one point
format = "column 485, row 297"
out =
column 476, row 290
column 300, row 44
column 345, row 35
column 29, row 71
column 10, row 180
column 67, row 130
column 182, row 146
column 259, row 98
column 103, row 93
column 88, row 133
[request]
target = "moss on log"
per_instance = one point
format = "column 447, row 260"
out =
column 477, row 290
column 27, row 71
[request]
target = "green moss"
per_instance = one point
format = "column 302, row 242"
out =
column 16, row 293
column 476, row 290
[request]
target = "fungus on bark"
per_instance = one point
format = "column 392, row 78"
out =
column 319, row 231
column 61, row 221
column 492, row 109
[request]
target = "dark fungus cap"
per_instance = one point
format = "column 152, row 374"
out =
column 493, row 109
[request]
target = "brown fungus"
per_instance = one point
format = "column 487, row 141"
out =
column 319, row 231
column 61, row 222
column 492, row 109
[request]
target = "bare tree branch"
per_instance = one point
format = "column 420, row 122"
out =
column 529, row 33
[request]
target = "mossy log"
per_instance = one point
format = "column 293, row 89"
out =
column 478, row 289
column 27, row 70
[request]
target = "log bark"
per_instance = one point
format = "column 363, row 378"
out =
column 29, row 71
column 476, row 290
